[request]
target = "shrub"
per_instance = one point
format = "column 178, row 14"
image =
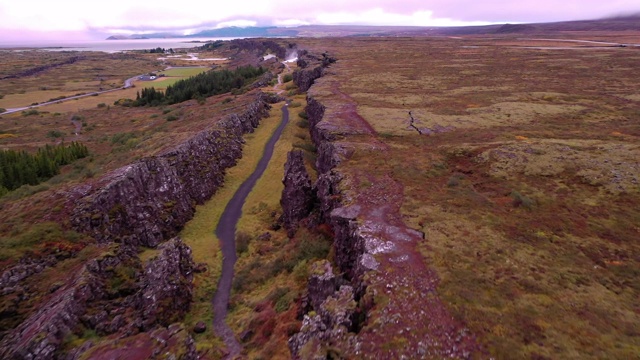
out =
column 54, row 134
column 124, row 102
column 172, row 118
column 122, row 138
column 242, row 242
column 88, row 174
column 2, row 110
column 303, row 124
column 306, row 146
column 30, row 112
column 455, row 179
column 287, row 78
column 282, row 298
column 521, row 200
column 102, row 105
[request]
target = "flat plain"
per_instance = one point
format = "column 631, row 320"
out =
column 518, row 159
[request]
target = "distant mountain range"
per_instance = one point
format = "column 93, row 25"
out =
column 271, row 31
column 624, row 23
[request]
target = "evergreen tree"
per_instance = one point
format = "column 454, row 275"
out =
column 18, row 168
column 199, row 86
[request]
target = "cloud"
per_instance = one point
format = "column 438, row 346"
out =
column 237, row 23
column 126, row 15
column 290, row 22
column 379, row 17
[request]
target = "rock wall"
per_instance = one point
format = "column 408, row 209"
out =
column 297, row 198
column 151, row 199
column 374, row 253
column 142, row 204
column 310, row 68
column 39, row 69
column 113, row 294
column 259, row 48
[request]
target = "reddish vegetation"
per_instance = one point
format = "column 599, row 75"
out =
column 526, row 222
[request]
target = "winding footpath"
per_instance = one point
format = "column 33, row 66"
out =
column 226, row 231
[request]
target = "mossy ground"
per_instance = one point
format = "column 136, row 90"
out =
column 528, row 198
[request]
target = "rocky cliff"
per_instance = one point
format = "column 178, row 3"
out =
column 310, row 68
column 151, row 199
column 114, row 293
column 384, row 304
column 139, row 205
column 298, row 197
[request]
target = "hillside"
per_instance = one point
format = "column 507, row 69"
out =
column 627, row 23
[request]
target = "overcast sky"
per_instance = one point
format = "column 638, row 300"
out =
column 85, row 18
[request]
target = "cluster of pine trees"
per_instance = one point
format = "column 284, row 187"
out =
column 158, row 50
column 199, row 86
column 18, row 168
column 211, row 45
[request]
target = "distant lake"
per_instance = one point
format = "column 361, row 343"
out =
column 110, row 46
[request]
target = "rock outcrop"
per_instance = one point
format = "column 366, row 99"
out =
column 310, row 68
column 374, row 251
column 259, row 48
column 297, row 196
column 151, row 199
column 330, row 325
column 166, row 288
column 142, row 204
column 173, row 342
column 39, row 69
column 112, row 294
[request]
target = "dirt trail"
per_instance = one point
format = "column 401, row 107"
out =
column 226, row 231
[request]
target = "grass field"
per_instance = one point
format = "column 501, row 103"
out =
column 525, row 182
column 27, row 98
column 183, row 72
column 89, row 72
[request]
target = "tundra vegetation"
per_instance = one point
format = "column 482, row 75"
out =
column 523, row 176
column 525, row 180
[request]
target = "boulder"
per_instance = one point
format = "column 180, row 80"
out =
column 297, row 196
column 200, row 327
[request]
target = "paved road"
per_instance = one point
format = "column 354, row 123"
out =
column 127, row 84
column 586, row 42
column 226, row 232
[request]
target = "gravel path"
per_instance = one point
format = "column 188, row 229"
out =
column 226, row 231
